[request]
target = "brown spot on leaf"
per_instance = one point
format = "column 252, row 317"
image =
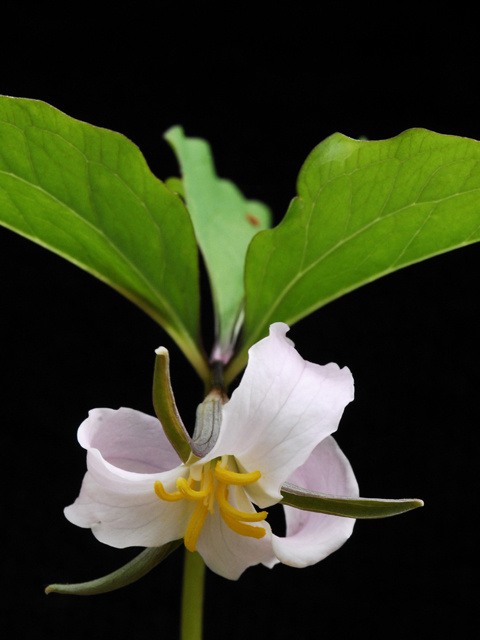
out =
column 253, row 219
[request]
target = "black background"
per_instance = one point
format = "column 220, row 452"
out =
column 264, row 88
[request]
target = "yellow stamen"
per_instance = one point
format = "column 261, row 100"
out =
column 243, row 529
column 227, row 508
column 210, row 501
column 230, row 477
column 164, row 495
column 195, row 526
column 205, row 499
column 185, row 488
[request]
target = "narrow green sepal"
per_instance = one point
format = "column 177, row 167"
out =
column 362, row 508
column 209, row 414
column 132, row 571
column 207, row 424
column 165, row 407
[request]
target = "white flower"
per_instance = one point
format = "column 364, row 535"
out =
column 275, row 428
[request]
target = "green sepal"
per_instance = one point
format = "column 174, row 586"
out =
column 165, row 407
column 207, row 423
column 132, row 571
column 362, row 508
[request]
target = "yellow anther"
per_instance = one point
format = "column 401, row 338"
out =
column 205, row 499
column 170, row 497
column 195, row 526
column 185, row 488
column 164, row 495
column 242, row 528
column 230, row 477
column 227, row 508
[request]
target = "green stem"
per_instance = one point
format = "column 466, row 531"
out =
column 192, row 596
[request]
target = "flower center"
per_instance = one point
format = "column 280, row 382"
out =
column 214, row 484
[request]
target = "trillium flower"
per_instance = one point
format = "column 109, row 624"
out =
column 276, row 428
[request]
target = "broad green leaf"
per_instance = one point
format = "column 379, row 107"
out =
column 224, row 222
column 364, row 508
column 364, row 209
column 87, row 194
column 132, row 571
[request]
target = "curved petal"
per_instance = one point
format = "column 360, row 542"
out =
column 228, row 553
column 129, row 440
column 117, row 503
column 282, row 409
column 311, row 537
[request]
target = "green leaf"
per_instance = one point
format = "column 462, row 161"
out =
column 132, row 571
column 364, row 209
column 87, row 194
column 224, row 222
column 364, row 508
column 175, row 184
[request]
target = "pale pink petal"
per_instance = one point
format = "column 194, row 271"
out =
column 127, row 452
column 311, row 537
column 129, row 440
column 228, row 553
column 282, row 409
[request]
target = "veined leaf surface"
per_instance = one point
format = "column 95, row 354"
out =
column 364, row 209
column 88, row 195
